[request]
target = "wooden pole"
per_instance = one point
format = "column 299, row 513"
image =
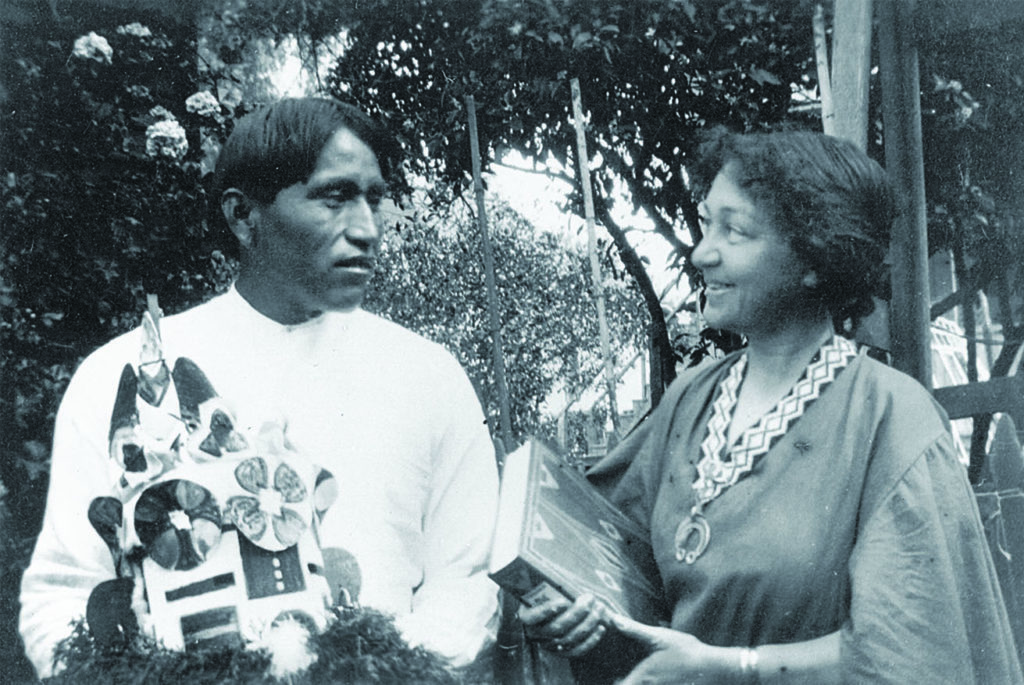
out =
column 851, row 69
column 504, row 441
column 901, row 108
column 828, row 114
column 845, row 110
column 595, row 265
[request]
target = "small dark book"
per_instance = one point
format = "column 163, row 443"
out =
column 556, row 534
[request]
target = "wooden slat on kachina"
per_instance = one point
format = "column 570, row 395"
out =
column 212, row 628
column 218, row 582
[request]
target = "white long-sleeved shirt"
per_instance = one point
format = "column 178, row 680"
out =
column 390, row 414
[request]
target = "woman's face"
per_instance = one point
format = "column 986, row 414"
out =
column 753, row 279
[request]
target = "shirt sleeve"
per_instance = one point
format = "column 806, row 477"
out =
column 454, row 608
column 70, row 558
column 926, row 604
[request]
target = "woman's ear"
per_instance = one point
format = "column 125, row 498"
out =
column 239, row 212
column 810, row 280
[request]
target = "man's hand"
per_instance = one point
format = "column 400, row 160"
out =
column 676, row 657
column 570, row 630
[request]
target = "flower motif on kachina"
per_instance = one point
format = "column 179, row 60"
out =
column 267, row 515
column 93, row 46
column 166, row 139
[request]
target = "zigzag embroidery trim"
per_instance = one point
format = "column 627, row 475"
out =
column 716, row 474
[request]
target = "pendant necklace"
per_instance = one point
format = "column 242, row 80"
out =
column 716, row 474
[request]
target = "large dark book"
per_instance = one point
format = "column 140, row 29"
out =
column 556, row 534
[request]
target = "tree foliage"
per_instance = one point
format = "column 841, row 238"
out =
column 722, row 62
column 104, row 202
column 973, row 129
column 431, row 280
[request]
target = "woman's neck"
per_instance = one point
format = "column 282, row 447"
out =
column 781, row 354
column 775, row 363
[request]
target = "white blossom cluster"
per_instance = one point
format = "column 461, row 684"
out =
column 135, row 29
column 166, row 138
column 203, row 103
column 93, row 46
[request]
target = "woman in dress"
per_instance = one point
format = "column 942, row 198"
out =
column 808, row 513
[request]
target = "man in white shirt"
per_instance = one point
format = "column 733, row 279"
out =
column 390, row 415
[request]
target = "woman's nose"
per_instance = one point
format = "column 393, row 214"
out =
column 704, row 254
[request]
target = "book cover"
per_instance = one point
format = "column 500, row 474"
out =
column 557, row 534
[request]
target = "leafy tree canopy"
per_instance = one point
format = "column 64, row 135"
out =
column 724, row 62
column 431, row 280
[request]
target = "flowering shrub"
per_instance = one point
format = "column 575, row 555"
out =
column 166, row 138
column 109, row 131
column 93, row 47
column 204, row 104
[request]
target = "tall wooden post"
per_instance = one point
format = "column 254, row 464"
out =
column 595, row 266
column 504, row 420
column 851, row 69
column 828, row 112
column 901, row 108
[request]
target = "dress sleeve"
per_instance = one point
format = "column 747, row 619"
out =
column 70, row 558
column 454, row 608
column 926, row 604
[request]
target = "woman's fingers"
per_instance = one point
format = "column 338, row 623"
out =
column 628, row 626
column 651, row 636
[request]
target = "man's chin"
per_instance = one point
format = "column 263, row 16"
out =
column 344, row 300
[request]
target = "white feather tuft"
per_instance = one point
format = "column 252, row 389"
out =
column 287, row 642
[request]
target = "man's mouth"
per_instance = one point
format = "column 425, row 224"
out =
column 366, row 263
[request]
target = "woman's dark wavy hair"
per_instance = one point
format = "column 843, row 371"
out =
column 834, row 204
column 278, row 145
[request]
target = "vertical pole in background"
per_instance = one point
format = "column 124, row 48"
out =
column 851, row 69
column 595, row 266
column 904, row 154
column 844, row 109
column 828, row 113
column 504, row 441
column 511, row 663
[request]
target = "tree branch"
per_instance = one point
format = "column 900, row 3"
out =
column 663, row 359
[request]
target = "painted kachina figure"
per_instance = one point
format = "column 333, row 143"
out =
column 213, row 522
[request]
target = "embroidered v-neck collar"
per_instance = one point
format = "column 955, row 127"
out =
column 720, row 467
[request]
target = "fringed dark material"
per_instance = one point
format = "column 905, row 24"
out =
column 360, row 646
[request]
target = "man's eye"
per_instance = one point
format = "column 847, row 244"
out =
column 374, row 196
column 341, row 196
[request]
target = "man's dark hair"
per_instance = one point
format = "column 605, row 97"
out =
column 833, row 203
column 278, row 145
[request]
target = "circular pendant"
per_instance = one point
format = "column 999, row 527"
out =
column 692, row 537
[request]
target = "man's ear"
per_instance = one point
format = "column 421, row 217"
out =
column 239, row 211
column 810, row 280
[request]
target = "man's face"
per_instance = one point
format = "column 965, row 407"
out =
column 313, row 248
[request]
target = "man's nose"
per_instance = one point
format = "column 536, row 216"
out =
column 361, row 226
